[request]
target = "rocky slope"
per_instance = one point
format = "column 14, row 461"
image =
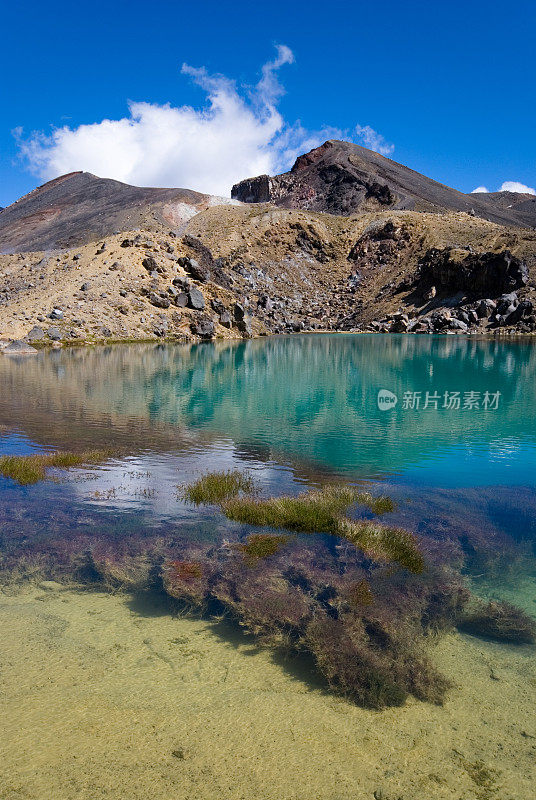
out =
column 240, row 271
column 190, row 268
column 344, row 178
column 78, row 208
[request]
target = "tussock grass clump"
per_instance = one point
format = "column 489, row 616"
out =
column 218, row 487
column 384, row 542
column 322, row 512
column 310, row 512
column 32, row 469
column 378, row 505
column 261, row 545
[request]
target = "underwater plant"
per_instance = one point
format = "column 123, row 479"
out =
column 366, row 623
column 217, row 487
column 261, row 545
column 33, row 468
column 500, row 621
column 371, row 666
column 185, row 580
column 360, row 594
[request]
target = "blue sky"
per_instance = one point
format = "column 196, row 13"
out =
column 450, row 85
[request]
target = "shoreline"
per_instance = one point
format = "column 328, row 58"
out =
column 70, row 343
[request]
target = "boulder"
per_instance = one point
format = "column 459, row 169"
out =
column 160, row 328
column 217, row 305
column 152, row 266
column 482, row 274
column 239, row 312
column 244, row 325
column 181, row 300
column 457, row 325
column 203, row 327
column 225, row 319
column 473, row 317
column 36, row 334
column 400, row 323
column 19, row 348
column 181, row 281
column 196, row 299
column 486, row 308
column 507, row 303
column 54, row 334
column 56, row 313
column 524, row 310
column 194, row 268
column 159, row 300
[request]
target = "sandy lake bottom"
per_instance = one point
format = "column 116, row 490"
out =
column 109, row 696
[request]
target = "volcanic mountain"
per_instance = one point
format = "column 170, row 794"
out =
column 78, row 208
column 87, row 259
column 343, row 178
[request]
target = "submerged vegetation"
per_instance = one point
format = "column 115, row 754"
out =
column 340, row 598
column 217, row 487
column 501, row 621
column 261, row 545
column 32, row 469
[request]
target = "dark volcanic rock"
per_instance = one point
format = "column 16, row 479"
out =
column 194, row 269
column 36, row 334
column 19, row 348
column 203, row 327
column 159, row 301
column 481, row 274
column 225, row 319
column 344, row 178
column 181, row 300
column 196, row 299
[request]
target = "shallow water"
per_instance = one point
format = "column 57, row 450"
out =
column 296, row 412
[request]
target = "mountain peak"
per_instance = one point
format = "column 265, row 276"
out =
column 345, row 178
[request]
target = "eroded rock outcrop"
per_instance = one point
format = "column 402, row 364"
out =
column 482, row 274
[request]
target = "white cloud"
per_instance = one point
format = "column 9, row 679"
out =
column 373, row 140
column 508, row 186
column 480, row 190
column 515, row 186
column 238, row 133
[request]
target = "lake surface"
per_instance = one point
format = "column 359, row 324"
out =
column 445, row 425
column 465, row 413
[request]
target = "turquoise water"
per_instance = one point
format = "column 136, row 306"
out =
column 309, row 401
column 295, row 412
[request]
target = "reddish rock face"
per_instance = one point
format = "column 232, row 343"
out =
column 344, row 178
